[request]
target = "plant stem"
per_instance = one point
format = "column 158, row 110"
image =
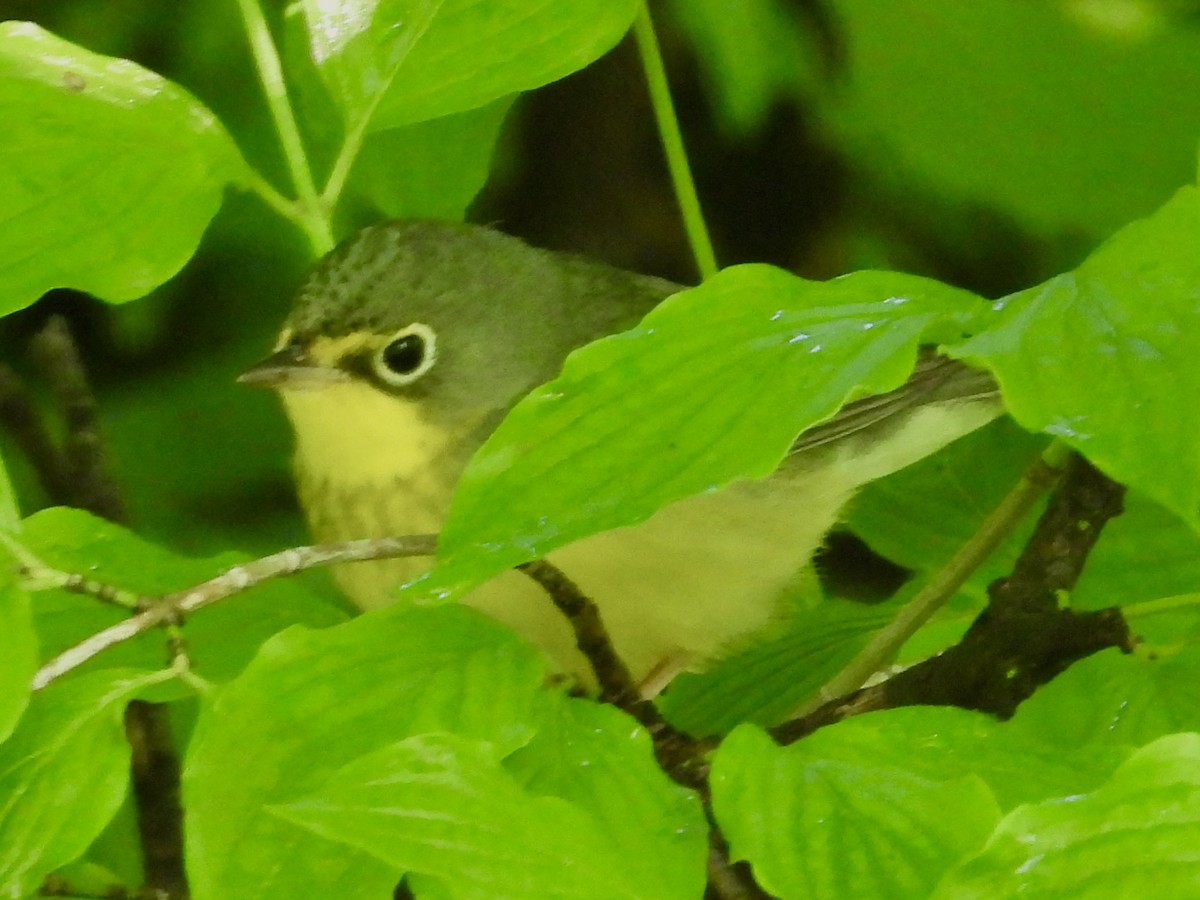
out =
column 999, row 522
column 1161, row 605
column 311, row 214
column 672, row 141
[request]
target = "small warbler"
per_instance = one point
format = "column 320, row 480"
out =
column 409, row 343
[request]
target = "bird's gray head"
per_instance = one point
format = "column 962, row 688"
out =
column 457, row 316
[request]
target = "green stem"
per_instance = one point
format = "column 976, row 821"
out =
column 311, row 214
column 273, row 198
column 1161, row 605
column 999, row 522
column 672, row 141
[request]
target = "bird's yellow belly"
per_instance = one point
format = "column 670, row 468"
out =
column 702, row 575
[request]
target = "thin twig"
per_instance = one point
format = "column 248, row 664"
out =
column 173, row 607
column 616, row 682
column 680, row 755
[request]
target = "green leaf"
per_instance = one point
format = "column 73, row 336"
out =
column 430, row 170
column 671, row 393
column 1028, row 108
column 597, row 759
column 821, row 826
column 63, row 774
column 476, row 52
column 1088, row 356
column 359, row 45
column 109, row 173
column 766, row 683
column 443, row 806
column 421, row 59
column 1144, row 554
column 221, row 639
column 939, row 743
column 1112, row 699
column 1138, row 831
column 312, row 702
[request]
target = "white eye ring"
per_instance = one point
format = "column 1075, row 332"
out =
column 407, row 356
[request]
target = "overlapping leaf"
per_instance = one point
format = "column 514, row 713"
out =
column 1139, row 831
column 311, row 703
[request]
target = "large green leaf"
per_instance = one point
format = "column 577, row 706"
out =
column 672, row 394
column 63, row 774
column 359, row 45
column 1139, row 832
column 592, row 756
column 442, row 806
column 429, row 170
column 421, row 59
column 312, row 702
column 1105, row 357
column 1113, row 699
column 821, row 826
column 109, row 174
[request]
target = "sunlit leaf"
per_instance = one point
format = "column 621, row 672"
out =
column 63, row 774
column 815, row 826
column 1140, row 830
column 312, row 702
column 109, row 174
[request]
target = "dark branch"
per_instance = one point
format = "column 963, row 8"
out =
column 680, row 755
column 1025, row 636
column 89, row 478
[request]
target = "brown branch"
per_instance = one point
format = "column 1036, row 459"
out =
column 1025, row 636
column 154, row 779
column 679, row 754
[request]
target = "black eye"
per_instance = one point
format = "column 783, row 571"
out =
column 405, row 354
column 409, row 354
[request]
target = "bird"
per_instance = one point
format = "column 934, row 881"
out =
column 411, row 340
